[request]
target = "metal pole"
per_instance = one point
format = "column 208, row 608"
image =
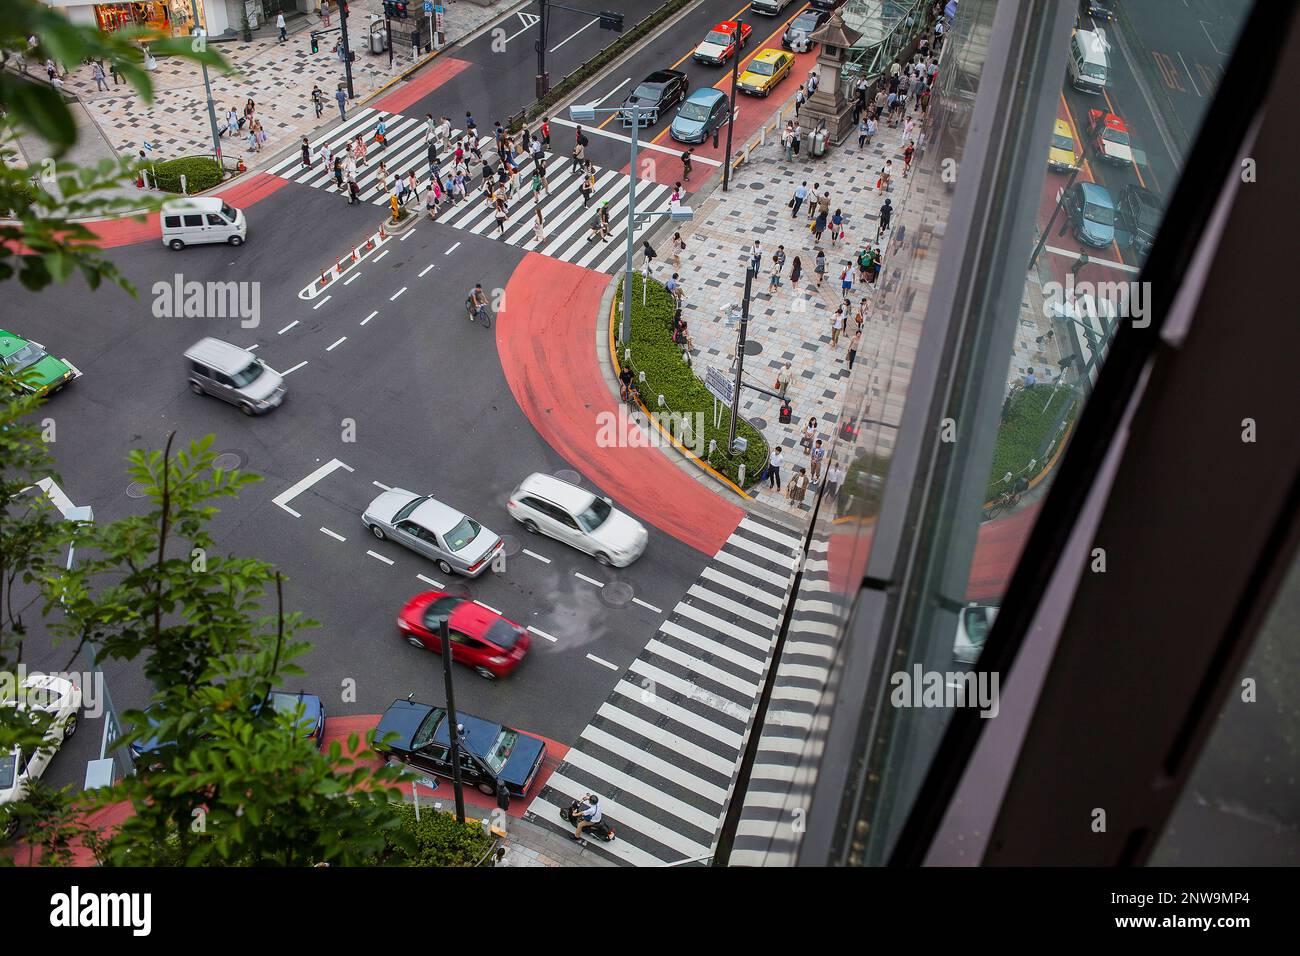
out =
column 626, row 330
column 453, row 725
column 740, row 361
column 542, row 84
column 1042, row 240
column 347, row 54
column 388, row 33
column 207, row 89
column 731, row 115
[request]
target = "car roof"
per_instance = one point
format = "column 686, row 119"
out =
column 726, row 26
column 768, row 54
column 556, row 491
column 434, row 515
column 705, row 94
column 222, row 356
column 193, row 204
column 1062, row 127
column 1093, row 193
column 11, row 342
column 663, row 76
column 1142, row 195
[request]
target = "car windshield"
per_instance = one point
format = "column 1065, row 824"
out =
column 979, row 621
column 718, row 37
column 463, row 533
column 424, row 734
column 228, row 211
column 804, row 24
column 249, row 374
column 27, row 355
column 503, row 634
column 439, row 610
column 1116, row 136
column 693, row 111
column 500, row 751
column 1094, row 70
column 1063, row 142
column 8, row 770
column 595, row 515
column 761, row 68
column 1102, row 215
column 646, row 92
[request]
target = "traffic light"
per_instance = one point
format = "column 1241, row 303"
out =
column 399, row 9
column 611, row 21
column 388, row 10
column 315, row 43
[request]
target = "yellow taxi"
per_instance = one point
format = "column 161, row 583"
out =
column 1063, row 154
column 768, row 68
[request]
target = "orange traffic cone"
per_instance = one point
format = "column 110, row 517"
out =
column 354, row 253
column 370, row 242
column 324, row 279
column 382, row 234
column 338, row 265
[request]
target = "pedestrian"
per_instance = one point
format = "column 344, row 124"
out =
column 342, row 99
column 774, row 463
column 798, row 486
column 359, row 150
column 100, row 82
column 686, row 164
column 318, row 100
column 306, row 153
column 431, row 199
column 604, row 221
column 783, row 379
column 837, row 227
column 862, row 311
column 539, row 227
column 471, row 128
column 907, row 158
column 412, row 188
column 585, row 189
column 537, row 189
column 381, row 134
column 354, row 191
column 863, row 132
column 819, row 226
column 787, row 140
column 800, row 194
column 809, row 435
column 546, row 132
column 882, row 182
column 778, row 264
column 501, row 213
column 674, row 288
column 846, row 282
column 579, row 154
column 112, row 68
column 885, row 215
column 812, row 82
column 813, row 201
column 816, row 457
column 819, row 267
column 834, row 478
column 280, row 25
column 837, row 325
column 798, row 137
column 675, row 196
column 796, row 273
column 325, row 12
column 325, row 156
column 800, row 97
column 909, row 128
column 853, row 345
column 679, row 246
column 252, row 139
column 338, row 172
column 756, row 257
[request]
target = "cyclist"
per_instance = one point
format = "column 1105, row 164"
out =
column 477, row 303
column 625, row 383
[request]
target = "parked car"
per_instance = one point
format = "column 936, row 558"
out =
column 1108, row 136
column 661, row 90
column 1092, row 214
column 1063, row 153
column 61, row 699
column 546, row 505
column 973, row 625
column 768, row 68
column 1139, row 213
column 705, row 110
column 146, row 750
column 1097, row 9
column 496, row 759
column 34, row 370
column 480, row 638
column 803, row 26
column 454, row 541
column 769, row 7
column 720, row 45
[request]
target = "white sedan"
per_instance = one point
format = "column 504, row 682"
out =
column 56, row 696
column 546, row 505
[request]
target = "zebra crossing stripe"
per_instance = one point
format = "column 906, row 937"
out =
column 656, row 765
column 767, row 621
column 696, row 666
column 660, row 735
column 620, row 848
column 679, row 715
column 627, row 784
column 767, row 531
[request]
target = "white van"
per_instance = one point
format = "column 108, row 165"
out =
column 187, row 222
column 1089, row 61
column 234, row 375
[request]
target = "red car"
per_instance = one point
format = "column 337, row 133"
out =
column 720, row 45
column 480, row 638
column 1109, row 137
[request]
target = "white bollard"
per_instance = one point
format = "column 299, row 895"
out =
column 185, row 185
column 740, row 475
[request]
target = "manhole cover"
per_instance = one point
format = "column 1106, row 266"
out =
column 617, row 594
column 758, row 185
column 569, row 475
column 510, row 545
column 229, row 461
column 759, row 423
column 752, row 347
column 458, row 589
column 135, row 490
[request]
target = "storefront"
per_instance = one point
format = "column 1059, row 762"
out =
column 173, row 17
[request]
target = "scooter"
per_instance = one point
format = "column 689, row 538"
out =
column 601, row 830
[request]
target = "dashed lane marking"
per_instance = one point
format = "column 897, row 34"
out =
column 369, row 317
column 452, row 249
column 539, row 557
column 580, row 575
column 649, row 607
column 352, row 279
column 407, row 236
column 284, row 497
column 380, row 557
column 425, row 270
column 488, row 606
column 541, row 633
column 380, row 484
column 602, row 662
column 381, row 255
column 397, row 293
column 331, row 348
column 321, row 302
column 332, row 534
column 430, row 581
column 287, row 327
column 294, row 369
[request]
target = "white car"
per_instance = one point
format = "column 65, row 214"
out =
column 54, row 695
column 973, row 626
column 546, row 505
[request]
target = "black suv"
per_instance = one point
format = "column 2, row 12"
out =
column 1138, row 211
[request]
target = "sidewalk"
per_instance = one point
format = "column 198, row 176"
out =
column 527, row 844
column 278, row 77
column 794, row 324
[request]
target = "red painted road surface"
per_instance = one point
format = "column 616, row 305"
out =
column 546, row 338
column 404, row 93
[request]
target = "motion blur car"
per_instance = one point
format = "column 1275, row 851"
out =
column 58, row 697
column 973, row 625
column 310, row 708
column 546, row 505
column 498, row 760
column 1138, row 212
column 34, row 370
column 452, row 540
column 721, row 44
column 803, row 26
column 1097, row 9
column 480, row 638
column 1092, row 214
column 768, row 68
column 704, row 111
column 1109, row 137
column 660, row 91
column 1063, row 153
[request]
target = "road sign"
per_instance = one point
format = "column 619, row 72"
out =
column 428, row 6
column 719, row 384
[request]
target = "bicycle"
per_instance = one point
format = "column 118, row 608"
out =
column 1003, row 502
column 479, row 313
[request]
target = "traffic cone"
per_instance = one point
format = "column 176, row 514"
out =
column 382, row 234
column 354, row 253
column 324, row 279
column 370, row 242
column 338, row 265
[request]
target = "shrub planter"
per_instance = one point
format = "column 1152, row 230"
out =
column 407, row 220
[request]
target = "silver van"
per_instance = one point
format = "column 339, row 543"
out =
column 234, row 375
column 188, row 222
column 1088, row 64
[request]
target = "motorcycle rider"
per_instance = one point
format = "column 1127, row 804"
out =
column 588, row 815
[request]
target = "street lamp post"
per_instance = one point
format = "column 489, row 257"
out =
column 207, row 85
column 740, row 362
column 731, row 108
column 453, row 726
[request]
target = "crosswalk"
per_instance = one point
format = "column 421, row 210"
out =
column 663, row 749
column 567, row 224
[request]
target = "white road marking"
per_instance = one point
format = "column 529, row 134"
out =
column 611, row 92
column 287, row 327
column 594, row 20
column 602, row 661
column 331, row 348
column 645, row 605
column 408, row 235
column 1189, row 72
column 541, row 633
column 294, row 369
column 488, row 606
column 336, row 537
column 369, row 317
column 252, row 348
column 380, row 484
column 380, row 557
column 452, row 249
column 539, row 557
column 352, row 279
column 284, row 497
column 1092, row 261
column 579, row 574
column 56, row 495
column 426, row 269
column 381, row 255
column 321, row 302
column 431, row 581
column 397, row 293
column 644, row 145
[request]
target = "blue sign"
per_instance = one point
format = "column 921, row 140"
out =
column 428, row 6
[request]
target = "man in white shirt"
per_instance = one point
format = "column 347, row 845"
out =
column 279, row 23
column 590, row 815
column 774, row 464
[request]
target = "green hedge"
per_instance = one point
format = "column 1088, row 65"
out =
column 667, row 374
column 439, row 840
column 201, row 172
column 1031, row 423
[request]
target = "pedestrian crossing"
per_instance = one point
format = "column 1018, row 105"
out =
column 567, row 223
column 663, row 750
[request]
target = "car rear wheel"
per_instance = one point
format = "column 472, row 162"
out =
column 70, row 727
column 444, row 567
column 377, row 531
column 531, row 525
column 603, row 558
column 177, row 245
column 485, row 673
column 486, row 788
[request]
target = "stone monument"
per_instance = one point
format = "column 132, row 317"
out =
column 829, row 102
